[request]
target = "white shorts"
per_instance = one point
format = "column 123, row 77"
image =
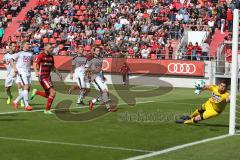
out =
column 23, row 79
column 100, row 84
column 82, row 83
column 79, row 72
column 9, row 81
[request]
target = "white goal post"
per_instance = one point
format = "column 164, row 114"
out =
column 234, row 73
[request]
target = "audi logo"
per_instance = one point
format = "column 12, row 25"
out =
column 182, row 68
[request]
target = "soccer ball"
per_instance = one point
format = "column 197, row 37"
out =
column 199, row 84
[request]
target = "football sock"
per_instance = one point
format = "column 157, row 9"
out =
column 9, row 94
column 25, row 97
column 94, row 100
column 81, row 96
column 195, row 113
column 41, row 93
column 190, row 121
column 105, row 97
column 19, row 96
column 49, row 103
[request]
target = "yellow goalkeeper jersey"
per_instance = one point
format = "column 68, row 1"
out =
column 218, row 100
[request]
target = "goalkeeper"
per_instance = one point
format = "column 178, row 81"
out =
column 213, row 107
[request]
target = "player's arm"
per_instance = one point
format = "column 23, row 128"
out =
column 36, row 68
column 54, row 69
column 228, row 98
column 73, row 67
column 36, row 64
column 4, row 62
column 206, row 87
column 14, row 58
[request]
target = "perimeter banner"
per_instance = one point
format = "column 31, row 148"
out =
column 140, row 66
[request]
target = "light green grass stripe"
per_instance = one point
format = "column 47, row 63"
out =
column 75, row 144
column 177, row 148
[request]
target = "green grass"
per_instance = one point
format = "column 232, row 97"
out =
column 220, row 149
column 148, row 125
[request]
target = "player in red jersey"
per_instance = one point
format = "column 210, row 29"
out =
column 43, row 66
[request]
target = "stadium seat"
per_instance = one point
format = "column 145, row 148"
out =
column 81, row 18
column 9, row 17
column 76, row 7
column 98, row 42
column 82, row 8
column 52, row 40
column 55, row 35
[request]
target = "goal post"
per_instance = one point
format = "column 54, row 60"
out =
column 234, row 73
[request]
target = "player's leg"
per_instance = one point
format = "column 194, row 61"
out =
column 8, row 84
column 209, row 112
column 52, row 94
column 104, row 93
column 72, row 88
column 20, row 96
column 83, row 89
column 45, row 85
column 99, row 98
column 26, row 82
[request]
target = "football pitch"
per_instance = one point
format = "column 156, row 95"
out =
column 142, row 125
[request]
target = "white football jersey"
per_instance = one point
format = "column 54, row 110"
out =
column 23, row 62
column 6, row 59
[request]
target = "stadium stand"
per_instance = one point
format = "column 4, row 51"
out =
column 8, row 10
column 134, row 29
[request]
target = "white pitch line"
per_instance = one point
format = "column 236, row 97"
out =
column 75, row 144
column 41, row 110
column 176, row 148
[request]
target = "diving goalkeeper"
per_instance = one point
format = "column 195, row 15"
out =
column 213, row 107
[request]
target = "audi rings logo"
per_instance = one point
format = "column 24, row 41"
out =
column 105, row 65
column 182, row 68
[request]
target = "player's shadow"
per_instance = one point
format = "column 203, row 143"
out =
column 11, row 119
column 38, row 105
column 211, row 125
column 8, row 115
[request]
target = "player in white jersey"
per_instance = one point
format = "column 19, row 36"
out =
column 98, row 81
column 78, row 70
column 22, row 70
column 10, row 73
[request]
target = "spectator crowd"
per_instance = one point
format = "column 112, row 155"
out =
column 8, row 10
column 122, row 28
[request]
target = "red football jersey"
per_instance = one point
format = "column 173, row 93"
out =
column 46, row 64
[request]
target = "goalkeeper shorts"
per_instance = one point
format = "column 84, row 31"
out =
column 209, row 111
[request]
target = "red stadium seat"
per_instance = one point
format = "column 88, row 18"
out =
column 55, row 35
column 41, row 11
column 66, row 11
column 9, row 17
column 98, row 42
column 82, row 8
column 81, row 18
column 52, row 41
column 76, row 7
